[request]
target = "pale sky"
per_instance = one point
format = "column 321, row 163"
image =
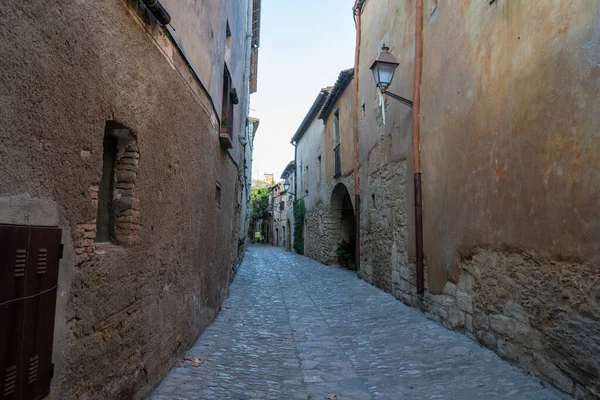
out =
column 303, row 47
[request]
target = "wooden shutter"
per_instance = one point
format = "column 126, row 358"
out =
column 29, row 260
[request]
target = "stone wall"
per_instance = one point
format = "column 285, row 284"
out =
column 505, row 163
column 384, row 237
column 542, row 314
column 126, row 310
column 317, row 241
column 384, row 222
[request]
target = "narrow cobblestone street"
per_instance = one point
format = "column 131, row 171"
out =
column 293, row 328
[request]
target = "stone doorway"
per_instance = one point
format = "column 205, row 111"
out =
column 341, row 221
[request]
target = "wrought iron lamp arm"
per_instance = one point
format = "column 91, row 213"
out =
column 399, row 98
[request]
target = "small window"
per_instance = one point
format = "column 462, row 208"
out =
column 336, row 128
column 227, row 104
column 306, row 178
column 117, row 217
column 337, row 151
column 105, row 221
column 319, row 166
column 301, row 177
column 218, row 195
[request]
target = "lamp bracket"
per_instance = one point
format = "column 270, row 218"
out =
column 399, row 98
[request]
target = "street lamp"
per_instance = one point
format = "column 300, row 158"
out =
column 286, row 186
column 383, row 72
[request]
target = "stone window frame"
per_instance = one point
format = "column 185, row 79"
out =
column 124, row 207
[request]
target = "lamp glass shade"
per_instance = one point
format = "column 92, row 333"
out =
column 286, row 186
column 383, row 68
column 383, row 73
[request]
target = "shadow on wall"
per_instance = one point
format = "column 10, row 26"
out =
column 341, row 220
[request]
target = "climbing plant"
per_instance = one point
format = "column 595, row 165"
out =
column 299, row 211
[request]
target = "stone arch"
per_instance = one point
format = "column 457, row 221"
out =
column 341, row 219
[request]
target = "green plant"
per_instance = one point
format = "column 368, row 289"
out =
column 259, row 204
column 299, row 212
column 345, row 250
column 224, row 120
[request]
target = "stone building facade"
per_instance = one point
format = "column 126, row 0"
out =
column 509, row 118
column 110, row 129
column 339, row 215
column 509, row 197
column 289, row 176
column 324, row 170
column 310, row 185
column 281, row 202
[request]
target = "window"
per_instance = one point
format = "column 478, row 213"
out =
column 218, row 195
column 306, row 179
column 319, row 166
column 227, row 104
column 105, row 221
column 117, row 217
column 337, row 158
column 302, row 177
column 336, row 127
column 337, row 151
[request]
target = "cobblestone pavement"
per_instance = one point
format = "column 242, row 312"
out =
column 293, row 328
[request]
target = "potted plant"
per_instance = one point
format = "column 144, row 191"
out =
column 224, row 124
column 345, row 252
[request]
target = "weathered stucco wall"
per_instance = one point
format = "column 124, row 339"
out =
column 510, row 149
column 310, row 146
column 124, row 311
column 510, row 146
column 513, row 136
column 344, row 106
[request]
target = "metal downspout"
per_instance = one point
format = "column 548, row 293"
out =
column 245, row 122
column 416, row 149
column 295, row 144
column 357, row 12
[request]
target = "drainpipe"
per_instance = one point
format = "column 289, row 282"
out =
column 416, row 148
column 295, row 144
column 357, row 12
